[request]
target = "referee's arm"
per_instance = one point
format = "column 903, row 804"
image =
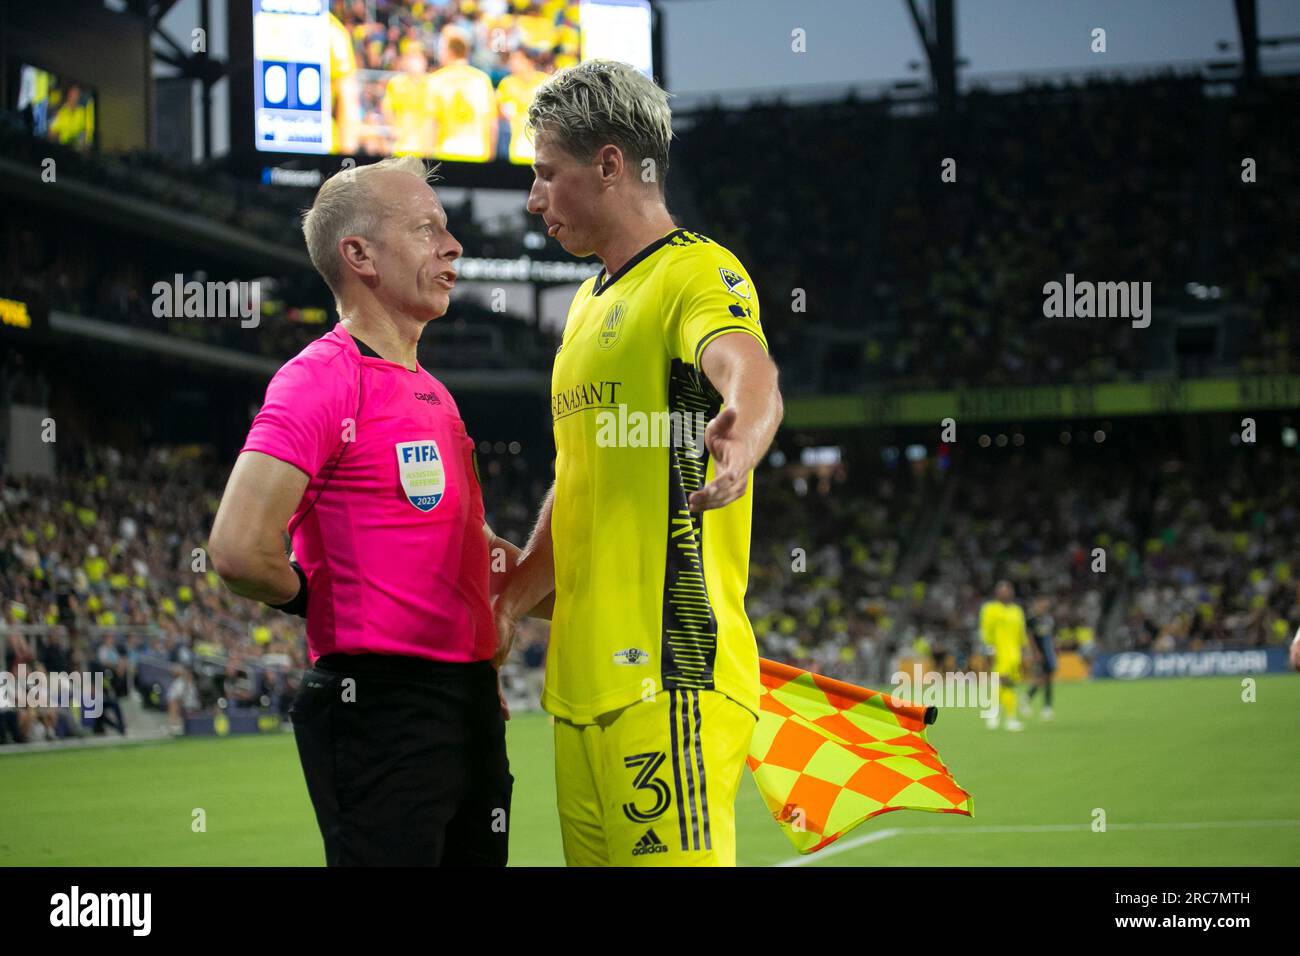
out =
column 247, row 541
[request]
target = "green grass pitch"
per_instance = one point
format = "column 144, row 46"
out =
column 1185, row 771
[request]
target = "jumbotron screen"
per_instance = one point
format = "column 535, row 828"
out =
column 443, row 80
column 55, row 108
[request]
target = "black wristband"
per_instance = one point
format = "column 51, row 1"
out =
column 298, row 603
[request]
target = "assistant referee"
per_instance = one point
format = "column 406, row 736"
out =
column 361, row 456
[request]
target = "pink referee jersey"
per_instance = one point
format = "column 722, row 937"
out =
column 390, row 529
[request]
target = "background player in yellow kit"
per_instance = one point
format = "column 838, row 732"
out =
column 463, row 101
column 74, row 123
column 408, row 104
column 652, row 668
column 514, row 94
column 345, row 94
column 1002, row 627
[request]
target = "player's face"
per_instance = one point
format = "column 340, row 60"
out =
column 415, row 62
column 416, row 252
column 564, row 194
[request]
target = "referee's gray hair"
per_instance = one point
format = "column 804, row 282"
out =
column 345, row 206
column 604, row 101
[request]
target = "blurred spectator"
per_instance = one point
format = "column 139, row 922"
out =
column 182, row 698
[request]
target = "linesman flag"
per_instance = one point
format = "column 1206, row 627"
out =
column 827, row 755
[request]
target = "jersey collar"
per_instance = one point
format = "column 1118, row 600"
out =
column 603, row 282
column 368, row 352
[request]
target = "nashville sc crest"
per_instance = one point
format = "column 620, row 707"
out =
column 611, row 326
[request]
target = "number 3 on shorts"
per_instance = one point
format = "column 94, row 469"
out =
column 646, row 766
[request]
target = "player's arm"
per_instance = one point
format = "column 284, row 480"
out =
column 529, row 584
column 738, row 366
column 246, row 545
column 505, row 557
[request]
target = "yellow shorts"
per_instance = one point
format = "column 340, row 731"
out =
column 653, row 784
column 1008, row 668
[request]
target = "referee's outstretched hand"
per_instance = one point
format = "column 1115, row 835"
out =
column 732, row 463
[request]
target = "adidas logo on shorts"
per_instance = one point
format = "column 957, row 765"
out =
column 650, row 843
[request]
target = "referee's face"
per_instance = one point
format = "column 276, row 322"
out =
column 415, row 256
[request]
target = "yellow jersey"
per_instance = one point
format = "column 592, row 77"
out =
column 515, row 94
column 1002, row 626
column 72, row 125
column 410, row 100
column 465, row 112
column 343, row 64
column 648, row 596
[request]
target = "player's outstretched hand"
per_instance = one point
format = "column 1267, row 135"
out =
column 1295, row 651
column 732, row 463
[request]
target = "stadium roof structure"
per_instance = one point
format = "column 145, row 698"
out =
column 935, row 23
column 194, row 65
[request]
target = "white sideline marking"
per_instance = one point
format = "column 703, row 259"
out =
column 843, row 846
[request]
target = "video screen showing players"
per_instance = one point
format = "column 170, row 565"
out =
column 445, row 80
column 56, row 109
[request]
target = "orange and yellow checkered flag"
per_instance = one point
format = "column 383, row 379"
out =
column 827, row 755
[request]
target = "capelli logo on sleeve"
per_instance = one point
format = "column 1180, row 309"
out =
column 77, row 909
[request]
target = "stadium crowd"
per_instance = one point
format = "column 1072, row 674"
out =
column 1219, row 563
column 851, row 571
column 103, row 568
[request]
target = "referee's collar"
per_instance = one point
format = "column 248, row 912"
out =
column 603, row 282
column 368, row 352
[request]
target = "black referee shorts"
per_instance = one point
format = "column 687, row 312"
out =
column 406, row 764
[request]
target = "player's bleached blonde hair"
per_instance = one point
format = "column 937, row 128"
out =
column 346, row 205
column 604, row 101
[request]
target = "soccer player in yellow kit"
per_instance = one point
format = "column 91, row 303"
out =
column 464, row 103
column 652, row 668
column 1002, row 627
column 345, row 95
column 408, row 104
column 74, row 123
column 514, row 93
